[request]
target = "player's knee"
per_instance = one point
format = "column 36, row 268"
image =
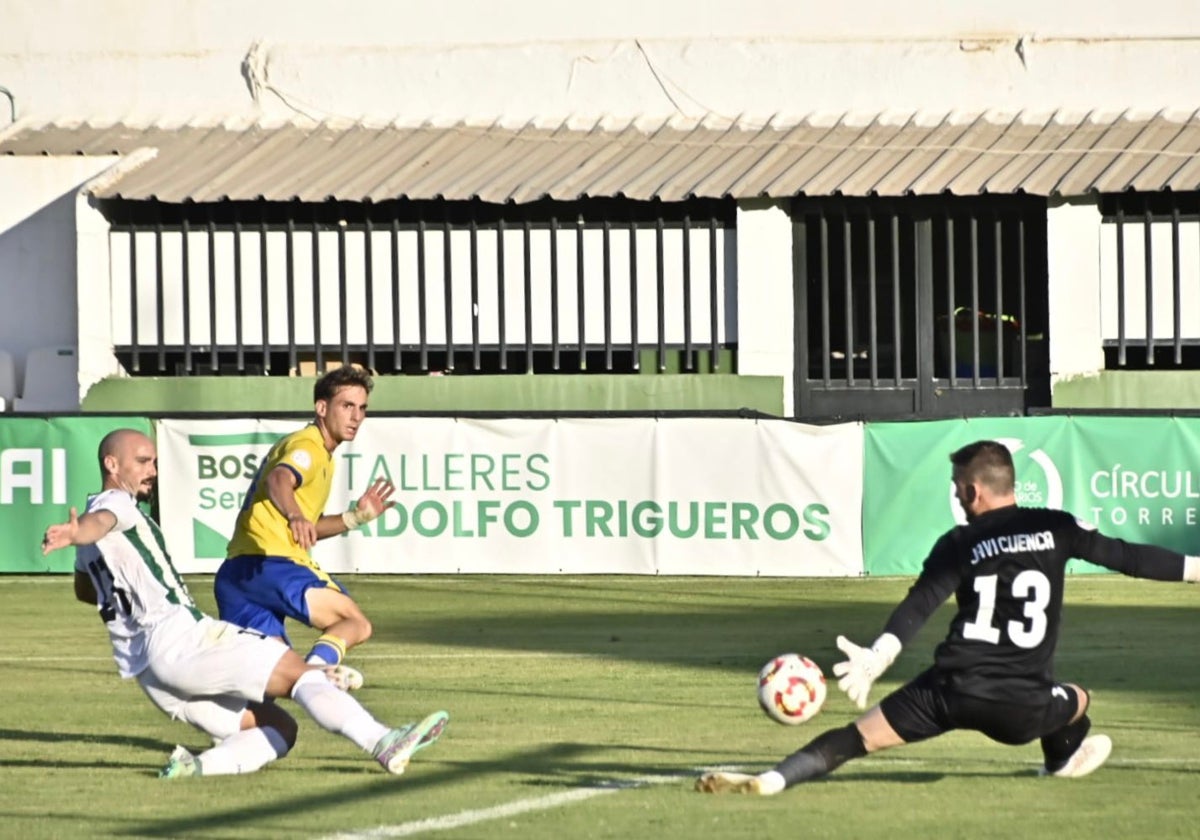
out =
column 287, row 727
column 876, row 732
column 289, row 730
column 271, row 715
column 1083, row 699
column 355, row 628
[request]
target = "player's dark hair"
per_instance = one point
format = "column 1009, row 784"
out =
column 987, row 462
column 338, row 378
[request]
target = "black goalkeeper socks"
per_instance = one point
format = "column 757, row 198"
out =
column 1058, row 747
column 822, row 755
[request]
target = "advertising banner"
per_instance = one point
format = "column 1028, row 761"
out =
column 47, row 465
column 1132, row 477
column 694, row 496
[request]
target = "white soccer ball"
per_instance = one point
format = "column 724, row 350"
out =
column 791, row 688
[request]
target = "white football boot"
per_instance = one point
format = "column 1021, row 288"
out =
column 1092, row 752
column 720, row 781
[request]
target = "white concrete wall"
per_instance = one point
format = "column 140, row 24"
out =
column 765, row 299
column 1073, row 264
column 94, row 296
column 38, row 260
column 545, row 60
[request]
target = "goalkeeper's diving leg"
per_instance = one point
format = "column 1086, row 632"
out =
column 833, row 748
column 824, row 754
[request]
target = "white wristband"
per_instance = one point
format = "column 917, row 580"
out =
column 356, row 518
column 887, row 646
column 1191, row 568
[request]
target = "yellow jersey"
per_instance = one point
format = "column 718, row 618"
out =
column 261, row 529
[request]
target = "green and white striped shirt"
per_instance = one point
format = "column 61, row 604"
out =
column 136, row 584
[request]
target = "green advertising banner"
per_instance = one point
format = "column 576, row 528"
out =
column 46, row 466
column 1132, row 477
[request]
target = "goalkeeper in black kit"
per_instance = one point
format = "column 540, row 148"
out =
column 993, row 673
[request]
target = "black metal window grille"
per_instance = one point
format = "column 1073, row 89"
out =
column 600, row 286
column 1150, row 280
column 920, row 306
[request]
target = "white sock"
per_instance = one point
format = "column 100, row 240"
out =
column 336, row 711
column 770, row 783
column 243, row 752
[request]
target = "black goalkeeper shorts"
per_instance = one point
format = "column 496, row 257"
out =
column 926, row 706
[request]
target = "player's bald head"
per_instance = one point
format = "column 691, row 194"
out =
column 117, row 443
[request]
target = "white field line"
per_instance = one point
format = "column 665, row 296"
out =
column 556, row 800
column 509, row 809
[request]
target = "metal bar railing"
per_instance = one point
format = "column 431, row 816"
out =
column 1121, row 347
column 264, row 307
column 689, row 362
column 1148, row 246
column 606, row 287
column 159, row 286
column 714, row 302
column 238, row 335
column 213, row 349
column 581, row 292
column 501, row 301
column 473, row 238
column 369, row 302
column 318, row 338
column 527, row 262
column 555, row 346
column 448, row 280
column 185, row 274
column 290, row 280
column 343, row 287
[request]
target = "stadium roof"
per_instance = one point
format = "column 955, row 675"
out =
column 1049, row 154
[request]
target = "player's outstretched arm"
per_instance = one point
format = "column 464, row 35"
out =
column 864, row 665
column 78, row 530
column 1140, row 560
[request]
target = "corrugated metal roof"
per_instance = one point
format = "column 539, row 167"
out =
column 1054, row 154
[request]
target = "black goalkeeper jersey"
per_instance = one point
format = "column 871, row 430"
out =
column 1007, row 569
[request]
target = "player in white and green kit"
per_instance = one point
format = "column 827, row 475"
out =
column 217, row 676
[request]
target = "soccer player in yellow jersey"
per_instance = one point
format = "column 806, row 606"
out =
column 268, row 573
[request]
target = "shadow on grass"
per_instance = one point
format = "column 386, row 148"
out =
column 661, row 623
column 81, row 738
column 566, row 762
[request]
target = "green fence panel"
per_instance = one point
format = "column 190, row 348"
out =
column 1129, row 476
column 46, row 466
column 1140, row 478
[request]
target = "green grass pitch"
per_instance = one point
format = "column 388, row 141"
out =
column 583, row 708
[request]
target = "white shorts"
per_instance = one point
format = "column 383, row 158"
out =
column 219, row 716
column 193, row 659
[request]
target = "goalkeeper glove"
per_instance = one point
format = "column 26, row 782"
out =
column 864, row 665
